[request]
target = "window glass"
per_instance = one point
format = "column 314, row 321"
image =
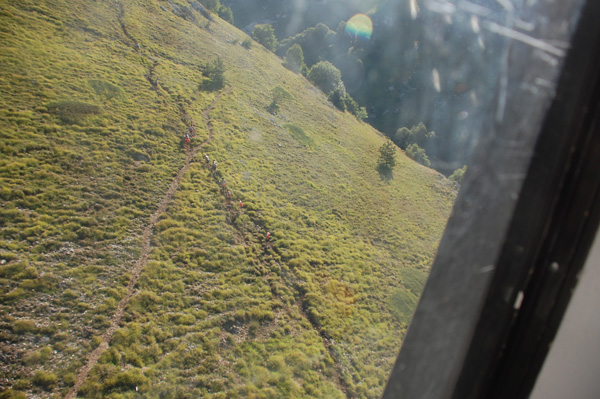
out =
column 227, row 198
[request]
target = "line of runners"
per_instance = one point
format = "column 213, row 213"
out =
column 191, row 132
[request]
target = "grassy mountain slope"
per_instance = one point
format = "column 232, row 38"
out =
column 116, row 241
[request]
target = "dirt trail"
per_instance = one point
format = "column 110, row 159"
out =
column 93, row 358
column 289, row 280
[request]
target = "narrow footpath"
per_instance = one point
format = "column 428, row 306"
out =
column 93, row 357
column 190, row 153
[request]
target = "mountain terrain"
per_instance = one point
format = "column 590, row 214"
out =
column 125, row 269
column 393, row 71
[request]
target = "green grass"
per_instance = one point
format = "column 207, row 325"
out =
column 88, row 149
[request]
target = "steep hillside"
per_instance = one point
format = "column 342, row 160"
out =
column 124, row 268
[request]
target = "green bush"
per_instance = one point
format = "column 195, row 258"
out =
column 418, row 134
column 105, row 89
column 265, row 35
column 215, row 72
column 212, row 5
column 325, row 76
column 44, row 380
column 279, row 94
column 352, row 106
column 125, row 381
column 247, row 43
column 299, row 134
column 72, row 111
column 13, row 269
column 458, row 175
column 418, row 154
column 387, row 155
column 226, row 14
column 294, row 58
column 403, row 137
column 10, row 394
column 337, row 97
column 112, row 356
column 21, row 327
column 39, row 357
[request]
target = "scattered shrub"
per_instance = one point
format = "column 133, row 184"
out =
column 418, row 134
column 13, row 269
column 352, row 106
column 105, row 89
column 39, row 357
column 402, row 138
column 297, row 133
column 202, row 10
column 125, row 381
column 418, row 154
column 214, row 71
column 294, row 58
column 458, row 175
column 44, row 380
column 21, row 327
column 326, row 77
column 336, row 97
column 387, row 155
column 279, row 94
column 265, row 35
column 72, row 111
column 273, row 107
column 111, row 355
column 183, row 12
column 247, row 43
column 10, row 394
column 226, row 14
column 212, row 5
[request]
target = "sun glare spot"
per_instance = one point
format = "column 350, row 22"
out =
column 360, row 25
column 414, row 9
column 481, row 43
column 436, row 80
column 475, row 23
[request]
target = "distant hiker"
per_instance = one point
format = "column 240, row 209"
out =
column 223, row 183
column 187, row 138
column 192, row 129
column 138, row 46
column 228, row 194
column 241, row 204
column 214, row 166
column 268, row 237
column 207, row 160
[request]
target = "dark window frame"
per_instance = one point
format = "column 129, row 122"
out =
column 519, row 234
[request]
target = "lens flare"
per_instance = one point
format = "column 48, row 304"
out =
column 360, row 25
column 436, row 80
column 414, row 9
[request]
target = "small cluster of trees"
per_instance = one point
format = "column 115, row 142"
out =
column 294, row 60
column 328, row 79
column 322, row 74
column 221, row 10
column 414, row 141
column 265, row 35
column 458, row 175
